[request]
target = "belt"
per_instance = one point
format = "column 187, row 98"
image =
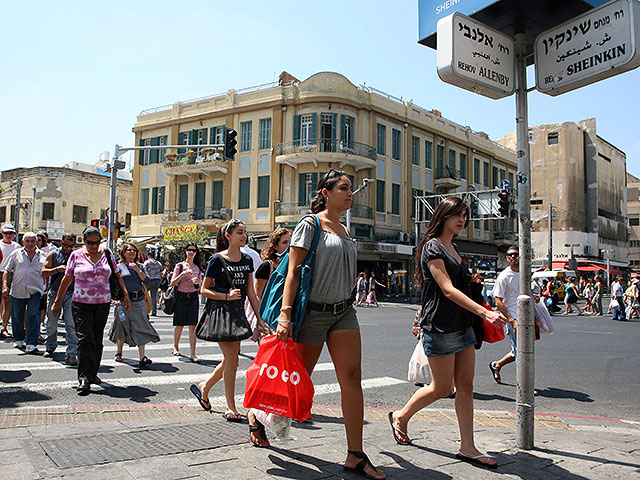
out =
column 135, row 295
column 335, row 308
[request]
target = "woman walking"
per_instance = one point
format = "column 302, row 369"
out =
column 188, row 277
column 90, row 267
column 228, row 278
column 571, row 297
column 276, row 245
column 136, row 331
column 372, row 288
column 447, row 335
column 596, row 300
column 361, row 289
column 330, row 318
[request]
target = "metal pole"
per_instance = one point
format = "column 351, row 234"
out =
column 550, row 259
column 349, row 220
column 525, row 365
column 33, row 210
column 17, row 215
column 608, row 270
column 112, row 202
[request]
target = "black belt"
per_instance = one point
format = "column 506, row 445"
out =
column 188, row 294
column 335, row 308
column 135, row 295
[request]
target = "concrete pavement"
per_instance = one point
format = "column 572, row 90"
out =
column 178, row 441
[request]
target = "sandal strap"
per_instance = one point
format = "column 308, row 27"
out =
column 363, row 462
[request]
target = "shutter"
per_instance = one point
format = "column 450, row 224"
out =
column 334, row 131
column 161, row 199
column 154, row 200
column 141, row 154
column 263, row 191
column 217, row 194
column 314, row 134
column 193, row 136
column 301, row 196
column 296, row 130
column 204, row 136
column 314, row 183
column 212, row 135
column 343, row 127
column 154, row 154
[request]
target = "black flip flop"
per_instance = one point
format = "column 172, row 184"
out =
column 206, row 406
column 259, row 428
column 397, row 432
column 359, row 468
column 476, row 460
column 496, row 373
column 233, row 417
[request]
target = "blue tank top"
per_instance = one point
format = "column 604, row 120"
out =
column 58, row 258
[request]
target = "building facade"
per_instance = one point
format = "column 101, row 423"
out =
column 289, row 134
column 633, row 207
column 583, row 177
column 66, row 197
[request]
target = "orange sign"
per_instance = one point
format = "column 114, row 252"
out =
column 170, row 233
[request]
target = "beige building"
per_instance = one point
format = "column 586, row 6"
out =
column 633, row 207
column 584, row 178
column 289, row 134
column 66, row 197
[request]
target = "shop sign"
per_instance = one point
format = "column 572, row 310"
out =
column 171, row 232
column 55, row 229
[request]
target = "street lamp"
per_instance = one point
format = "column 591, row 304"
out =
column 365, row 183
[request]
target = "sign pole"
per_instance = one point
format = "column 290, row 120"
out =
column 525, row 372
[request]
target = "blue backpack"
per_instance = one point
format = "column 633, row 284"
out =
column 272, row 297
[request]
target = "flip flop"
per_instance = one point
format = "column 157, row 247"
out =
column 397, row 432
column 206, row 406
column 359, row 468
column 259, row 428
column 196, row 360
column 176, row 353
column 476, row 460
column 233, row 417
column 496, row 373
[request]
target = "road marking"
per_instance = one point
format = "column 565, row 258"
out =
column 154, row 380
column 595, row 333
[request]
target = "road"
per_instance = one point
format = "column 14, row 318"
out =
column 589, row 367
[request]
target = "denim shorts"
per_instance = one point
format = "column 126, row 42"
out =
column 437, row 344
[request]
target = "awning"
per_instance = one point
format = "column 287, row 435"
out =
column 587, row 267
column 615, row 272
column 559, row 265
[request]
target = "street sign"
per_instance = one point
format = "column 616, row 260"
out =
column 430, row 12
column 504, row 185
column 55, row 229
column 591, row 47
column 475, row 57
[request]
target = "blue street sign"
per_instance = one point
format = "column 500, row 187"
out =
column 504, row 185
column 430, row 11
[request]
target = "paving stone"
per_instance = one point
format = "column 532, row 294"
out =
column 19, row 471
column 160, row 468
column 103, row 472
column 14, row 433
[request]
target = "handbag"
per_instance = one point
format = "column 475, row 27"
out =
column 114, row 283
column 278, row 382
column 419, row 366
column 483, row 330
column 272, row 296
column 223, row 321
column 614, row 303
column 148, row 303
column 170, row 297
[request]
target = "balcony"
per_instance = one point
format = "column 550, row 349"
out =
column 194, row 164
column 447, row 178
column 326, row 150
column 290, row 212
column 203, row 216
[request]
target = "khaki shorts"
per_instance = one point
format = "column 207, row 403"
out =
column 317, row 325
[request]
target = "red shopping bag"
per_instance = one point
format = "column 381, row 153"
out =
column 278, row 382
column 491, row 334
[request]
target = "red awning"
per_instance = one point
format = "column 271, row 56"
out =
column 559, row 265
column 615, row 272
column 589, row 267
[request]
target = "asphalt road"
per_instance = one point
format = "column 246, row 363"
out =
column 589, row 367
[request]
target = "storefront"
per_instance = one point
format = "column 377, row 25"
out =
column 392, row 264
column 481, row 257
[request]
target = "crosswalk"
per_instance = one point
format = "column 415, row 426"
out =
column 24, row 377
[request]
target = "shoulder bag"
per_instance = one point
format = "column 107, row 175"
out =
column 223, row 321
column 169, row 299
column 271, row 302
column 114, row 282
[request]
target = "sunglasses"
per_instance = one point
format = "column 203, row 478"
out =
column 131, row 250
column 191, row 250
column 92, row 242
column 66, row 245
column 513, row 254
column 231, row 224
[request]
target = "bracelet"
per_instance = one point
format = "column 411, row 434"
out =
column 284, row 322
column 286, row 307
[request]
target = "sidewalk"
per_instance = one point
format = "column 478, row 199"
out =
column 163, row 442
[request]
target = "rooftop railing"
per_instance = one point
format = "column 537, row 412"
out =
column 314, row 145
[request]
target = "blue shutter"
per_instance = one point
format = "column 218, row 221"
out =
column 263, row 191
column 193, row 136
column 302, row 200
column 314, row 135
column 334, row 127
column 161, row 199
column 296, row 130
column 141, row 153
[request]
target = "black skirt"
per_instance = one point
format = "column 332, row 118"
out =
column 186, row 310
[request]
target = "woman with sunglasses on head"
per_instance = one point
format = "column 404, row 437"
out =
column 188, row 276
column 331, row 317
column 228, row 263
column 136, row 331
column 447, row 334
column 90, row 268
column 276, row 245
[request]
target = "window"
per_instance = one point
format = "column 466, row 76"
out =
column 183, row 139
column 145, row 154
column 47, row 210
column 503, row 174
column 198, row 200
column 485, row 173
column 161, row 191
column 127, row 219
column 381, row 139
column 263, row 191
column 80, row 213
column 395, row 144
column 347, row 131
column 154, row 200
column 217, row 195
column 536, row 202
column 440, row 158
column 428, row 147
column 552, row 138
column 216, row 135
column 476, row 171
column 328, row 132
column 496, row 180
column 380, row 203
column 395, row 199
column 243, row 193
column 13, row 213
column 414, row 193
column 463, row 166
column 183, row 198
column 265, row 134
column 634, row 222
column 3, row 214
column 452, row 162
column 307, row 183
column 307, row 134
column 415, row 150
column 245, row 136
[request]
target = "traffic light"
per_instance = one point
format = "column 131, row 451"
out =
column 118, row 230
column 95, row 222
column 473, row 207
column 504, row 203
column 230, row 143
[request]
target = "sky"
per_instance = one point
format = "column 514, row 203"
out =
column 76, row 74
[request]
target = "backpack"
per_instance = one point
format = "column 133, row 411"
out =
column 272, row 297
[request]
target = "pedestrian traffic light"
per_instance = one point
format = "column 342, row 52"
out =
column 95, row 222
column 230, row 143
column 473, row 207
column 504, row 203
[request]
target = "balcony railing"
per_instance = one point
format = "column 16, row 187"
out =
column 194, row 213
column 447, row 172
column 361, row 211
column 327, row 145
column 295, row 209
column 198, row 158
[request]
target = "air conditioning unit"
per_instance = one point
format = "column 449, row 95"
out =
column 404, row 237
column 79, row 239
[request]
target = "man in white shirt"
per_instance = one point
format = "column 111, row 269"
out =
column 506, row 293
column 7, row 245
column 24, row 271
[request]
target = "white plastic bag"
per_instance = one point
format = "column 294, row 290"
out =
column 277, row 424
column 419, row 366
column 543, row 318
